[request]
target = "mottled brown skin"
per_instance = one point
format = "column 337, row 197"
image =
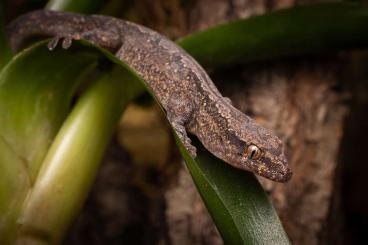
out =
column 191, row 100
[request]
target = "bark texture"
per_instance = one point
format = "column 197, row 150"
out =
column 300, row 103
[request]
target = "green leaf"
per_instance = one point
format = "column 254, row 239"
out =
column 304, row 30
column 35, row 98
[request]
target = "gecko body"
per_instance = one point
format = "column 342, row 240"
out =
column 191, row 100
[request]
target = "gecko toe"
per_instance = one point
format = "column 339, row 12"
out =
column 53, row 43
column 67, row 42
column 191, row 149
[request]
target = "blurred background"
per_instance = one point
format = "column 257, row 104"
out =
column 317, row 104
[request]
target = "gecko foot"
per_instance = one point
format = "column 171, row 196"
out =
column 190, row 148
column 65, row 43
column 181, row 132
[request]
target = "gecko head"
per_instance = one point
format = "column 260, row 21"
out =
column 267, row 160
column 252, row 147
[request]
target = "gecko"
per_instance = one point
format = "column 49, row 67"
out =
column 190, row 99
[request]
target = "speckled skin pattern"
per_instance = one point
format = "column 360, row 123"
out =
column 191, row 100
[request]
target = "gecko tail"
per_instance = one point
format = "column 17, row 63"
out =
column 42, row 23
column 100, row 30
column 21, row 30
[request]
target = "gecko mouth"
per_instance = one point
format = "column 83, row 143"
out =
column 284, row 176
column 278, row 176
column 279, row 172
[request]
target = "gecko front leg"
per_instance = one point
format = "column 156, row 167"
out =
column 183, row 136
column 179, row 113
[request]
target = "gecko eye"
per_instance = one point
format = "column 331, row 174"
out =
column 253, row 152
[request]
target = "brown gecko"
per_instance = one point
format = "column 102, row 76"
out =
column 191, row 100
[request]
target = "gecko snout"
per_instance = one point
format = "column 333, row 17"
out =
column 276, row 169
column 285, row 174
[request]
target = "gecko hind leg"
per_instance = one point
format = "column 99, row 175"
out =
column 109, row 40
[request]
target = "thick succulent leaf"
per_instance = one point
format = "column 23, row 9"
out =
column 36, row 89
column 35, row 98
column 35, row 95
column 303, row 30
column 14, row 184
